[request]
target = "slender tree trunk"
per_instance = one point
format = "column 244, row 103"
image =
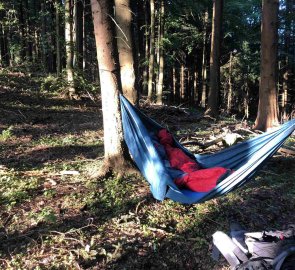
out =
column 230, row 87
column 28, row 30
column 204, row 61
column 182, row 82
column 195, row 84
column 161, row 56
column 44, row 50
column 125, row 47
column 4, row 44
column 152, row 51
column 246, row 99
column 79, row 33
column 287, row 68
column 146, row 54
column 51, row 39
column 69, row 47
column 57, row 40
column 22, row 31
column 35, row 33
column 213, row 96
column 88, row 55
column 109, row 73
column 267, row 115
column 174, row 88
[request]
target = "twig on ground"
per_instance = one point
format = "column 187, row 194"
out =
column 246, row 130
column 287, row 150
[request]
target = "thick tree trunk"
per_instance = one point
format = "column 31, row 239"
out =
column 69, row 47
column 161, row 56
column 213, row 96
column 125, row 47
column 267, row 115
column 152, row 51
column 109, row 73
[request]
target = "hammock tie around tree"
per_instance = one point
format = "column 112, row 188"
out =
column 245, row 158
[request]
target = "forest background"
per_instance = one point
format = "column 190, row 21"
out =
column 201, row 55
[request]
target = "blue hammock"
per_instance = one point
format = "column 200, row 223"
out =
column 244, row 158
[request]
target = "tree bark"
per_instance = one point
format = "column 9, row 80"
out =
column 213, row 96
column 109, row 73
column 267, row 115
column 57, row 38
column 22, row 26
column 152, row 50
column 230, row 86
column 43, row 41
column 146, row 51
column 79, row 33
column 5, row 59
column 69, row 47
column 182, row 82
column 204, row 61
column 28, row 30
column 287, row 67
column 125, row 48
column 161, row 56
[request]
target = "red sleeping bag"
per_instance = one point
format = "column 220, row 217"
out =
column 195, row 179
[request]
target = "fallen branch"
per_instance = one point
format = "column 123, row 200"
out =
column 287, row 150
column 247, row 130
column 204, row 145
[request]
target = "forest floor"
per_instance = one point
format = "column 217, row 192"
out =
column 55, row 214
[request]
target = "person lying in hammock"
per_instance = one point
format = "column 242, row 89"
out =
column 193, row 177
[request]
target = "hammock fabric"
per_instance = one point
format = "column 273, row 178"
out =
column 245, row 158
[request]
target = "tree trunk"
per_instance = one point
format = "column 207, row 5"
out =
column 195, row 84
column 161, row 56
column 152, row 50
column 146, row 52
column 213, row 96
column 204, row 61
column 4, row 43
column 79, row 33
column 230, row 87
column 175, row 85
column 69, row 47
column 125, row 48
column 28, row 23
column 109, row 72
column 182, row 82
column 287, row 68
column 267, row 115
column 44, row 50
column 57, row 38
column 22, row 26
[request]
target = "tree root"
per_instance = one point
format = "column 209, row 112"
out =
column 118, row 166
